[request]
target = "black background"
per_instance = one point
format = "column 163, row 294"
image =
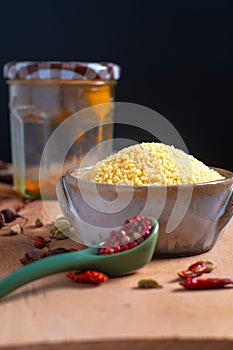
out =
column 176, row 57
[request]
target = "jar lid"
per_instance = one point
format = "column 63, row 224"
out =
column 61, row 70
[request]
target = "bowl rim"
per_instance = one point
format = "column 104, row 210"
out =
column 76, row 179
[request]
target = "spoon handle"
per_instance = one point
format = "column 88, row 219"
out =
column 45, row 267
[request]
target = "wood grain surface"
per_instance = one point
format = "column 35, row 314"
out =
column 54, row 313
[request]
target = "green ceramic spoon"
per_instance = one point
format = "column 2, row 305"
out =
column 112, row 265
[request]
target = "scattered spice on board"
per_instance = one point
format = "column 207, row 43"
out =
column 60, row 229
column 149, row 283
column 211, row 265
column 7, row 216
column 208, row 283
column 190, row 282
column 198, row 268
column 61, row 250
column 89, row 276
column 35, row 254
column 40, row 242
column 14, row 230
column 2, row 220
column 194, row 270
column 38, row 222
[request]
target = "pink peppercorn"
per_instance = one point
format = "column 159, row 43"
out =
column 132, row 233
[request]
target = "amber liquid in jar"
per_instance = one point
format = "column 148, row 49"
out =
column 38, row 107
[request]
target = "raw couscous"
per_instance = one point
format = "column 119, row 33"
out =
column 151, row 164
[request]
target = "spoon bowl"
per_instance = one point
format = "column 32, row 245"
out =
column 112, row 265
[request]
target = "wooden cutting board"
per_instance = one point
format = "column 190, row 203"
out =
column 54, row 313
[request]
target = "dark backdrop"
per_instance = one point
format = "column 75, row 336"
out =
column 176, row 57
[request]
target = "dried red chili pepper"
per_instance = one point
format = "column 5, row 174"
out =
column 194, row 270
column 208, row 283
column 88, row 276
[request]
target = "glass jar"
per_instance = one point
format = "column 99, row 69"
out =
column 41, row 96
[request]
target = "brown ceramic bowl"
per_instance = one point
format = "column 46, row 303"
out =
column 201, row 211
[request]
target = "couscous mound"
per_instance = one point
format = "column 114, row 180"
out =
column 151, row 164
